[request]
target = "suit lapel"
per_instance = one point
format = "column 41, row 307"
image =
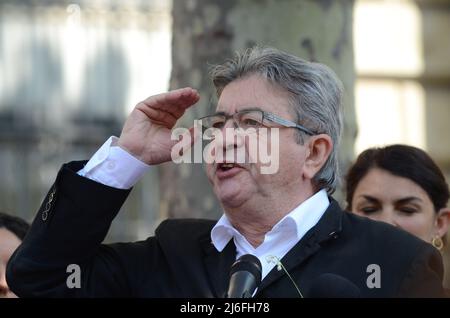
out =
column 218, row 265
column 328, row 227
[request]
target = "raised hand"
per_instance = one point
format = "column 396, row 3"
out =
column 147, row 130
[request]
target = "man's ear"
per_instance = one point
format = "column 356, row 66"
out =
column 442, row 221
column 319, row 149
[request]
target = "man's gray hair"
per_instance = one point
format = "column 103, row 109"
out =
column 315, row 90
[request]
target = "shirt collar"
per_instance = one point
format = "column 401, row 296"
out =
column 301, row 220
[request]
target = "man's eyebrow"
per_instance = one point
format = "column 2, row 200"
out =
column 219, row 113
column 251, row 108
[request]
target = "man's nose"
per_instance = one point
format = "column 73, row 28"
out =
column 231, row 139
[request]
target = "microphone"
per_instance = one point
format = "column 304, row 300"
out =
column 245, row 277
column 333, row 286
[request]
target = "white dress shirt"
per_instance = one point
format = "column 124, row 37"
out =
column 114, row 167
column 278, row 241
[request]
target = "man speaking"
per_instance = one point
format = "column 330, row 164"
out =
column 287, row 220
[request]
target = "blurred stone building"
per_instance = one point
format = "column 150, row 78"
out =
column 69, row 74
column 402, row 88
column 402, row 59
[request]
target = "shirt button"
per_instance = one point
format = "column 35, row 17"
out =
column 111, row 165
column 102, row 155
column 333, row 235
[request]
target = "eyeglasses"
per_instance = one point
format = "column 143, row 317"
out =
column 246, row 119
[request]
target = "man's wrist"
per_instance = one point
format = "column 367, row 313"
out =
column 114, row 166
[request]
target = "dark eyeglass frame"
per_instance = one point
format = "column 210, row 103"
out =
column 265, row 115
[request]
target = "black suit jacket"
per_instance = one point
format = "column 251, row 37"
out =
column 180, row 260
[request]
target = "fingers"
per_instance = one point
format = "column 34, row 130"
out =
column 174, row 102
column 158, row 117
column 165, row 109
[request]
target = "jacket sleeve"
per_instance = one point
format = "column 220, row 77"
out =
column 68, row 229
column 424, row 279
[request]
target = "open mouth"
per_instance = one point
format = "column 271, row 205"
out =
column 226, row 166
column 227, row 169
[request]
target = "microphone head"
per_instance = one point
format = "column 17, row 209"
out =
column 333, row 286
column 249, row 263
column 245, row 276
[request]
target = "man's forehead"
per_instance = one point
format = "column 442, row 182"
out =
column 237, row 109
column 253, row 92
column 275, row 106
column 280, row 109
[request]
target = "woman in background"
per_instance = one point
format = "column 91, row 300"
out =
column 12, row 232
column 401, row 185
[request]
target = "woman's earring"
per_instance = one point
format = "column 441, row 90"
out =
column 437, row 242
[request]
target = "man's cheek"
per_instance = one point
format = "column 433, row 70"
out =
column 209, row 171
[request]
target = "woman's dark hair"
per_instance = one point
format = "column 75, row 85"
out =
column 403, row 161
column 14, row 224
